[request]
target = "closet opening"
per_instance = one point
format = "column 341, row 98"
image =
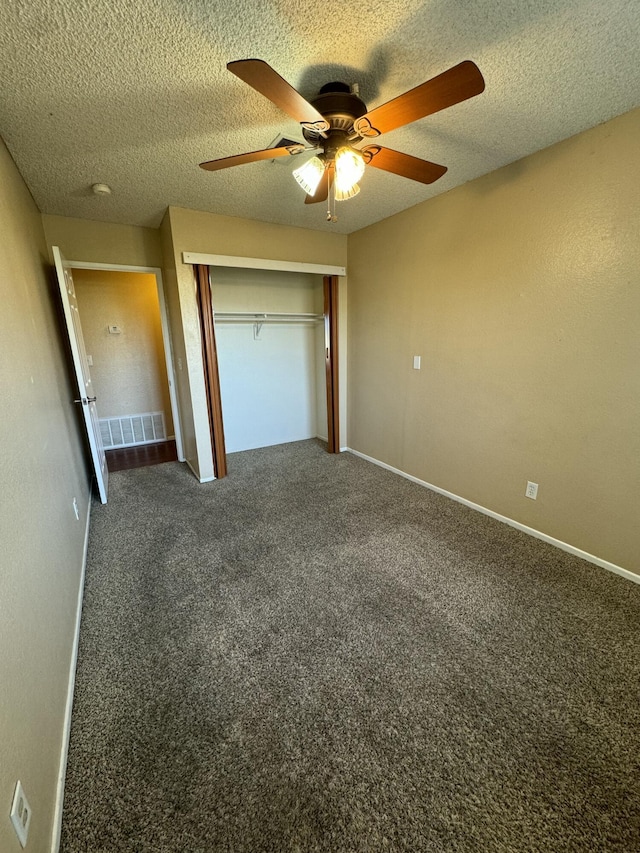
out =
column 270, row 341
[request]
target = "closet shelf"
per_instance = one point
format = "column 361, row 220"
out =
column 265, row 317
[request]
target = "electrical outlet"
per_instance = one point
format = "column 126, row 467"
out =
column 531, row 491
column 416, row 362
column 21, row 814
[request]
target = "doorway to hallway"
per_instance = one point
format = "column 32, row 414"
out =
column 128, row 347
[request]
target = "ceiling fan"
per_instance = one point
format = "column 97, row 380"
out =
column 338, row 126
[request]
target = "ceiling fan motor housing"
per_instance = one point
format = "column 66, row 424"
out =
column 341, row 107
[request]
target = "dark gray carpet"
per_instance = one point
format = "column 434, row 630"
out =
column 317, row 655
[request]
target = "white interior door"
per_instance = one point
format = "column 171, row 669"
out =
column 81, row 368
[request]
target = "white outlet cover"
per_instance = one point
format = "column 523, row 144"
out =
column 531, row 491
column 21, row 814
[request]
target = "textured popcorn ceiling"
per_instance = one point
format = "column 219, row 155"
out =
column 137, row 94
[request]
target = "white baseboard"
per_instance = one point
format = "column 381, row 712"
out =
column 564, row 546
column 325, row 439
column 66, row 732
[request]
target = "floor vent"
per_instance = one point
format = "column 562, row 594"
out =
column 132, row 429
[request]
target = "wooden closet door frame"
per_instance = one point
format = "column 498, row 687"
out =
column 211, row 372
column 202, row 272
column 330, row 286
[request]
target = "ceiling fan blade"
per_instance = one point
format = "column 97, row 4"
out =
column 322, row 190
column 402, row 164
column 261, row 77
column 251, row 157
column 451, row 87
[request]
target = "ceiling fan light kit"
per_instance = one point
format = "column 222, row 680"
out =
column 338, row 125
column 349, row 168
column 309, row 174
column 343, row 195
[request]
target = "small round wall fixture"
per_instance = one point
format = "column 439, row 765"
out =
column 101, row 189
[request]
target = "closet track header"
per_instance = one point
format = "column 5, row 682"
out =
column 260, row 264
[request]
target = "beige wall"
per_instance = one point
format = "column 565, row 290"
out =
column 195, row 231
column 230, row 235
column 103, row 242
column 42, row 469
column 520, row 291
column 129, row 372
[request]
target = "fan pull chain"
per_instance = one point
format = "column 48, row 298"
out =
column 331, row 195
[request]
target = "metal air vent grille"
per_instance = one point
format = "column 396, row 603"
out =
column 133, row 429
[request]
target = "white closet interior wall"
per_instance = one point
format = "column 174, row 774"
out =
column 272, row 383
